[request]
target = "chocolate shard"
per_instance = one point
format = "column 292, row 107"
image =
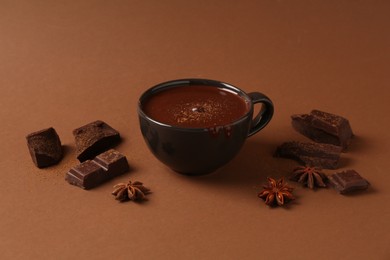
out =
column 323, row 127
column 311, row 154
column 45, row 147
column 93, row 139
column 102, row 168
column 348, row 181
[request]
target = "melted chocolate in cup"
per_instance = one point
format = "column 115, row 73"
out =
column 196, row 106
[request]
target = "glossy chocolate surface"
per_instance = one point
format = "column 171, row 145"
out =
column 196, row 106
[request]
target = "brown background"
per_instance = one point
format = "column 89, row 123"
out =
column 67, row 63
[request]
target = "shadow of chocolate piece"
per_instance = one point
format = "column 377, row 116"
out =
column 345, row 162
column 67, row 150
column 360, row 144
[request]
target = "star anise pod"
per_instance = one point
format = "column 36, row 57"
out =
column 309, row 176
column 276, row 192
column 135, row 191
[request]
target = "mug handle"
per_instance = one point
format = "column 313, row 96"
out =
column 264, row 115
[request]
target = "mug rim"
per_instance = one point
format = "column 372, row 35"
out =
column 192, row 81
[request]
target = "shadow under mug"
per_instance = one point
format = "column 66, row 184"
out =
column 199, row 151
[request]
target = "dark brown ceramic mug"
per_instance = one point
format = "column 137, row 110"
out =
column 184, row 144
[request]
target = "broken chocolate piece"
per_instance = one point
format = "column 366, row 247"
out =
column 102, row 168
column 45, row 147
column 312, row 154
column 324, row 127
column 93, row 139
column 348, row 181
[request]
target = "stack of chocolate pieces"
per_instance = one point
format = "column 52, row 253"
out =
column 102, row 168
column 331, row 135
column 322, row 127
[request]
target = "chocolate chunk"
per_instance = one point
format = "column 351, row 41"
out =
column 93, row 139
column 45, row 147
column 102, row 168
column 348, row 181
column 324, row 127
column 311, row 154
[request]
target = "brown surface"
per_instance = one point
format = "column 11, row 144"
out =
column 67, row 63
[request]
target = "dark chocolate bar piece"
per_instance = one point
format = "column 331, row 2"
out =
column 93, row 139
column 311, row 154
column 112, row 161
column 45, row 147
column 86, row 175
column 102, row 168
column 348, row 181
column 323, row 127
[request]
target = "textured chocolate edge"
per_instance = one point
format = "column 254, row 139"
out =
column 324, row 127
column 94, row 138
column 313, row 133
column 99, row 147
column 45, row 147
column 309, row 153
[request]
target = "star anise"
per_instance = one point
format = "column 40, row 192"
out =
column 135, row 191
column 276, row 192
column 309, row 176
